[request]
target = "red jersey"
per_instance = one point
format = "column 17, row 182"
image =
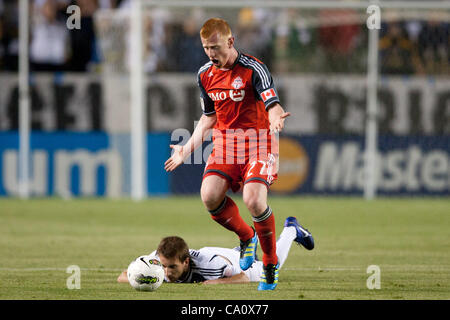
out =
column 239, row 97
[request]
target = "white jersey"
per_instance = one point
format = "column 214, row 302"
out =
column 213, row 263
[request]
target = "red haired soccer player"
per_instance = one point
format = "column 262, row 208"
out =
column 241, row 105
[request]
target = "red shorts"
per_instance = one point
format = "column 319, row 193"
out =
column 262, row 170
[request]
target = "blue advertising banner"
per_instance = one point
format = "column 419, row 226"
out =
column 158, row 151
column 71, row 164
column 405, row 165
column 333, row 165
column 97, row 164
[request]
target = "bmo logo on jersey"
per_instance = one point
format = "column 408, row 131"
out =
column 235, row 95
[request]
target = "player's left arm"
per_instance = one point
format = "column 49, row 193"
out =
column 180, row 153
column 237, row 278
column 263, row 83
column 277, row 116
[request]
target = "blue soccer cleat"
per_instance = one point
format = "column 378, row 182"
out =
column 269, row 278
column 248, row 252
column 304, row 237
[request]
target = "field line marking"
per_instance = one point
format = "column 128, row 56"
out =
column 324, row 268
column 58, row 269
column 363, row 268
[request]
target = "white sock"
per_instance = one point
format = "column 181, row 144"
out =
column 284, row 243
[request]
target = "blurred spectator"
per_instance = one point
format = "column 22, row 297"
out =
column 287, row 40
column 295, row 44
column 83, row 41
column 49, row 36
column 108, row 4
column 157, row 44
column 413, row 29
column 151, row 61
column 253, row 34
column 433, row 47
column 155, row 26
column 121, row 3
column 187, row 49
column 9, row 35
column 397, row 52
column 2, row 36
column 339, row 36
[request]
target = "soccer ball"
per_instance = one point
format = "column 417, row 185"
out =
column 145, row 274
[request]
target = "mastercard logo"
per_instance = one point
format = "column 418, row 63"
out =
column 293, row 166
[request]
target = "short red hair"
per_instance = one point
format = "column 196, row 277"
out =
column 214, row 25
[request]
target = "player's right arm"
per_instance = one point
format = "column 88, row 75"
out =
column 180, row 153
column 123, row 278
column 206, row 122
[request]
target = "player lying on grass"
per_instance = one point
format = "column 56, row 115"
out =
column 214, row 265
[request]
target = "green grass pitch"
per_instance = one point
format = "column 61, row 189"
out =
column 407, row 238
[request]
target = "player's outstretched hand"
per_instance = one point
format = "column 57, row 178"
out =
column 176, row 159
column 277, row 125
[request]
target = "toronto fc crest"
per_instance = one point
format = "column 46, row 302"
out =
column 237, row 83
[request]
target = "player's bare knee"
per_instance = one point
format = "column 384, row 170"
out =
column 213, row 191
column 254, row 204
column 210, row 198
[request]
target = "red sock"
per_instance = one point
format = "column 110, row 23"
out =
column 227, row 215
column 265, row 228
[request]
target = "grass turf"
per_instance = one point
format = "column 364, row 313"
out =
column 407, row 238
